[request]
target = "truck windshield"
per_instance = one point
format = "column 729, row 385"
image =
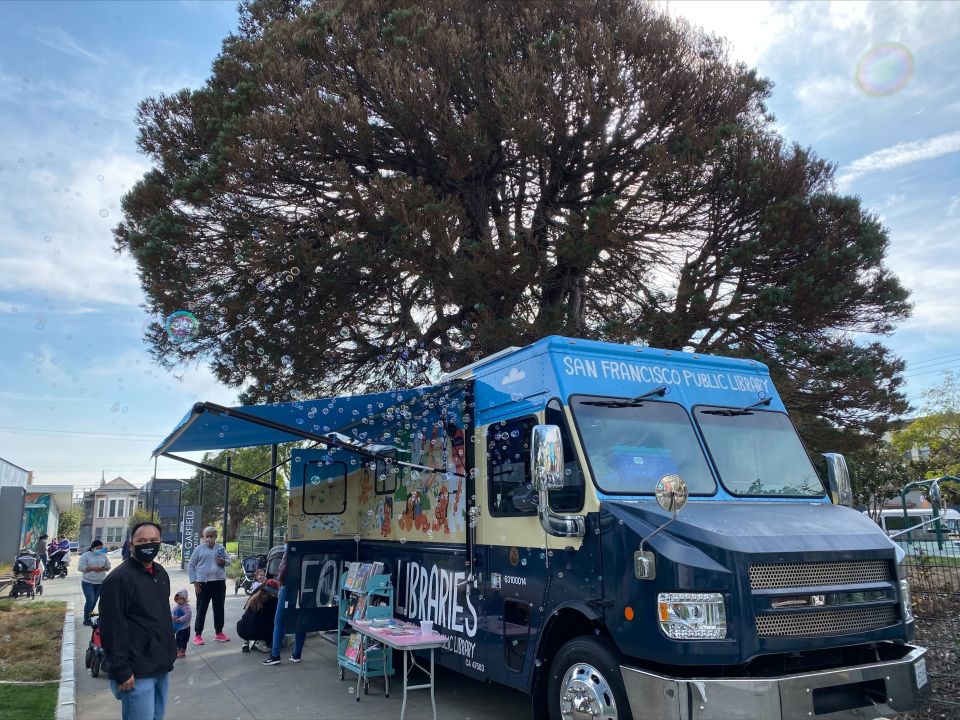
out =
column 630, row 445
column 758, row 452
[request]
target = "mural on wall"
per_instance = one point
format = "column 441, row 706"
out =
column 344, row 493
column 35, row 519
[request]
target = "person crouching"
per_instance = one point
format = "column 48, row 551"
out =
column 256, row 625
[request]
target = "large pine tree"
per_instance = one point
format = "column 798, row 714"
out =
column 366, row 193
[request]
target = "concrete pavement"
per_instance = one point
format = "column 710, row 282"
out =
column 218, row 682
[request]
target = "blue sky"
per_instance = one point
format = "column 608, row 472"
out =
column 78, row 391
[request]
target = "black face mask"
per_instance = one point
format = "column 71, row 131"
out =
column 146, row 552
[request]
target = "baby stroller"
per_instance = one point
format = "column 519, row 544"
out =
column 95, row 659
column 57, row 564
column 26, row 575
column 253, row 571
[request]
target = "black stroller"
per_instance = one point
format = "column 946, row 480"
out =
column 253, row 572
column 57, row 564
column 26, row 575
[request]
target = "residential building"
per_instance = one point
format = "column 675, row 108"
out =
column 110, row 507
column 13, row 475
column 161, row 496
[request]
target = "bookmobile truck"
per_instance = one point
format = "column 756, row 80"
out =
column 620, row 532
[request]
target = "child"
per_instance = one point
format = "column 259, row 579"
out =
column 181, row 615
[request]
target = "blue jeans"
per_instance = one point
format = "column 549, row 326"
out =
column 91, row 593
column 147, row 700
column 298, row 639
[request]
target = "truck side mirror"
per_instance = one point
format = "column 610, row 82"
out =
column 547, row 453
column 838, row 479
column 546, row 459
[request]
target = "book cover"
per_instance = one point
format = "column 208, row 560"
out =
column 352, row 570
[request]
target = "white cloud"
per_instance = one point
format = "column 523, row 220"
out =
column 900, row 155
column 751, row 26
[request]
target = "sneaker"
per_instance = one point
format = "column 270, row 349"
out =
column 260, row 647
column 294, row 659
column 245, row 647
column 220, row 637
column 197, row 640
column 181, row 654
column 272, row 660
column 88, row 623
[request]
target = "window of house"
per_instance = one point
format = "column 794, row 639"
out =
column 112, row 511
column 100, row 504
column 508, row 464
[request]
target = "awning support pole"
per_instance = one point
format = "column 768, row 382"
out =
column 226, row 497
column 273, row 490
column 211, row 468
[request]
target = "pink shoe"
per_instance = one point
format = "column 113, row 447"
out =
column 197, row 640
column 221, row 637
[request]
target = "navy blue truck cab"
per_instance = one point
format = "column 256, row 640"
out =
column 620, row 532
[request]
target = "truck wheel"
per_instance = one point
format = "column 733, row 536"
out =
column 585, row 682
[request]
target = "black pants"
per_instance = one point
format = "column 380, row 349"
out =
column 215, row 591
column 182, row 637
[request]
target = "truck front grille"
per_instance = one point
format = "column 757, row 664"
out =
column 774, row 576
column 817, row 623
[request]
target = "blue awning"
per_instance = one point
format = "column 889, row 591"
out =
column 365, row 418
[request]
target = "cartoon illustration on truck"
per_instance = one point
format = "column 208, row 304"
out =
column 620, row 532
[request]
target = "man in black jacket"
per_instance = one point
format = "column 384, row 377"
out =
column 135, row 628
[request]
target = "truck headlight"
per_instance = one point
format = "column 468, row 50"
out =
column 907, row 602
column 692, row 616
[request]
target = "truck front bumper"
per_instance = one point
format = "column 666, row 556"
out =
column 859, row 691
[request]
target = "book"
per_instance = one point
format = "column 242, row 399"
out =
column 352, row 651
column 361, row 608
column 352, row 570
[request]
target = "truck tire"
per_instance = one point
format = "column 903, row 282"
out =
column 585, row 681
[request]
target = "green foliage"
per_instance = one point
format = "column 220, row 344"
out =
column 937, row 429
column 69, row 523
column 140, row 515
column 878, row 473
column 380, row 192
column 249, row 504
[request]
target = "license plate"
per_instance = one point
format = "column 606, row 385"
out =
column 920, row 672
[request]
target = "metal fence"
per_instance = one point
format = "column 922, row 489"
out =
column 933, row 570
column 258, row 543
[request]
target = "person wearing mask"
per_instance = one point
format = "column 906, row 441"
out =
column 278, row 629
column 135, row 628
column 94, row 565
column 64, row 544
column 207, row 572
column 180, row 615
column 256, row 625
column 40, row 548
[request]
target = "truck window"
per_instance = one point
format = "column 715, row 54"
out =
column 508, row 463
column 325, row 488
column 569, row 498
column 385, row 482
column 758, row 452
column 629, row 447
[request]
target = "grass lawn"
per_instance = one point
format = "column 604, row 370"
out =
column 231, row 547
column 29, row 702
column 30, row 633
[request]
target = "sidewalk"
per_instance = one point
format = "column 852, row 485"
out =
column 218, row 682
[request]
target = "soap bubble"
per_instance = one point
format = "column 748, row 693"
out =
column 885, row 68
column 182, row 326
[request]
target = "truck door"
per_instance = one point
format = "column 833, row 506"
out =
column 517, row 572
column 324, row 518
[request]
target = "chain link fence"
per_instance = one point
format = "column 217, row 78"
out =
column 258, row 543
column 933, row 569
